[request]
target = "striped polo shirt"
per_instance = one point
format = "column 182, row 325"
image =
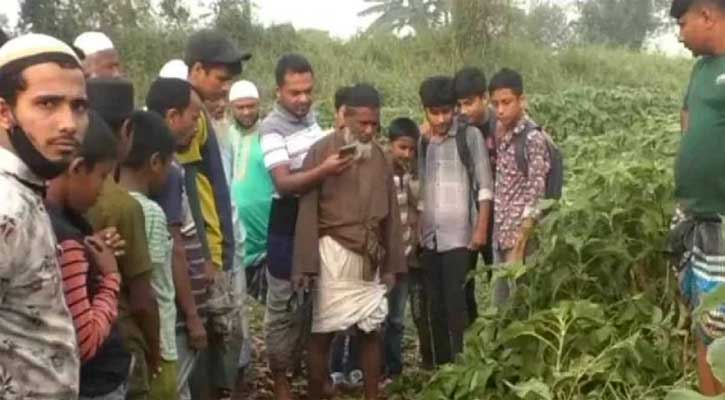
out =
column 286, row 139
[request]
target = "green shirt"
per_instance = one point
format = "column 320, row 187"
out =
column 252, row 190
column 700, row 166
column 162, row 281
column 116, row 208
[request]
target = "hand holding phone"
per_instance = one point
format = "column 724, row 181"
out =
column 348, row 151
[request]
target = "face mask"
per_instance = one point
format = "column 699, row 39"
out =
column 36, row 161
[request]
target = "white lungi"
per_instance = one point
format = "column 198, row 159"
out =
column 342, row 298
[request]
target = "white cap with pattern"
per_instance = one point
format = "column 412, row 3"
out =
column 175, row 69
column 243, row 90
column 33, row 44
column 93, row 42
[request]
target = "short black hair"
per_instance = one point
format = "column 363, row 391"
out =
column 150, row 135
column 362, row 95
column 403, row 127
column 168, row 94
column 341, row 97
column 681, row 7
column 437, row 91
column 507, row 79
column 12, row 81
column 99, row 144
column 291, row 63
column 469, row 81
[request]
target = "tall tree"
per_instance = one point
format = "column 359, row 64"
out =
column 421, row 15
column 477, row 22
column 66, row 18
column 619, row 22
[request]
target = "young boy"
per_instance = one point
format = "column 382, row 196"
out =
column 404, row 134
column 473, row 104
column 699, row 180
column 91, row 280
column 517, row 192
column 453, row 230
column 144, row 174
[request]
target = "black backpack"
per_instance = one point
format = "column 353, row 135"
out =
column 464, row 153
column 555, row 178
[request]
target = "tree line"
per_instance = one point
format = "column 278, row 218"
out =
column 622, row 23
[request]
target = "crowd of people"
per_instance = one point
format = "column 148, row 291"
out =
column 132, row 236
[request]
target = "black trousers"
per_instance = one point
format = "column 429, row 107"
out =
column 449, row 314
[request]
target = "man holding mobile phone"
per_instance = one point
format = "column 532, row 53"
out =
column 348, row 238
column 287, row 134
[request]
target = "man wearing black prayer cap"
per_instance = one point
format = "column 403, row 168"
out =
column 348, row 238
column 138, row 316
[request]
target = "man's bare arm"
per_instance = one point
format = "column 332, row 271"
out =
column 299, row 183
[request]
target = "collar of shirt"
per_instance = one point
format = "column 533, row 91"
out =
column 452, row 131
column 520, row 127
column 307, row 120
column 12, row 165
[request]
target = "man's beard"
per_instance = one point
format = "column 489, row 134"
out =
column 363, row 151
column 245, row 125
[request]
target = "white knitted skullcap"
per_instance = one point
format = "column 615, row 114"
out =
column 33, row 44
column 93, row 42
column 243, row 90
column 174, row 69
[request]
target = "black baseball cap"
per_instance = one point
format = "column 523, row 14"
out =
column 213, row 47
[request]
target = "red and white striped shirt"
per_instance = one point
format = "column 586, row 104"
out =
column 92, row 317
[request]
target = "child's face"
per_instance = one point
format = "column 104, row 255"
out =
column 403, row 151
column 159, row 172
column 508, row 105
column 85, row 183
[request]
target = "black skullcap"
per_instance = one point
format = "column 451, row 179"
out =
column 111, row 98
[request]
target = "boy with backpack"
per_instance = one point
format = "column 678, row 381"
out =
column 528, row 169
column 456, row 183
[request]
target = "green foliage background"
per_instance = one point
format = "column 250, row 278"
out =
column 595, row 314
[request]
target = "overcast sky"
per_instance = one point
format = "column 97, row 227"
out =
column 339, row 17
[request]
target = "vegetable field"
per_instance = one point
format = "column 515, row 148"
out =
column 595, row 315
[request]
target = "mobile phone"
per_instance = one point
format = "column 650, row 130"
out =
column 348, row 151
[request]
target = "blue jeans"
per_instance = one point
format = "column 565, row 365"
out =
column 395, row 327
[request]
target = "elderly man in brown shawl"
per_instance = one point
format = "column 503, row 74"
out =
column 348, row 240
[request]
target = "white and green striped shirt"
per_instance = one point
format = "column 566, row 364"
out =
column 160, row 249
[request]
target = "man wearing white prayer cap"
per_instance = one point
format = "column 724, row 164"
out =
column 43, row 120
column 175, row 69
column 101, row 58
column 251, row 186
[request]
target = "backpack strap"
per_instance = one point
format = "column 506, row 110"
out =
column 520, row 142
column 465, row 154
